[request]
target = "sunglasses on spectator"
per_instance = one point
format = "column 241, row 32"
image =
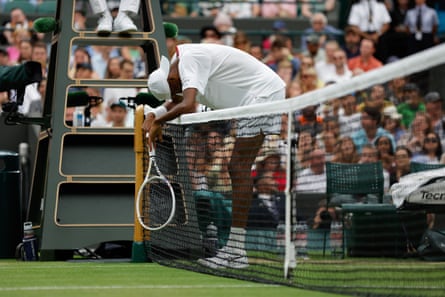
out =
column 431, row 139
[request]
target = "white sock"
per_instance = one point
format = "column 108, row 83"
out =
column 237, row 238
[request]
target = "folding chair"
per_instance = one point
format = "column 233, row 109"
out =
column 353, row 179
column 417, row 167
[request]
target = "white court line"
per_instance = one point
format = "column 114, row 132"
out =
column 56, row 288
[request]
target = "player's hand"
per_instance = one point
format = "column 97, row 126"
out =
column 155, row 134
column 148, row 122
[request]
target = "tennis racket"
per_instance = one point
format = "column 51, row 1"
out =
column 156, row 209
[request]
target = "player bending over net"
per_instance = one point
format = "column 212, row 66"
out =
column 219, row 77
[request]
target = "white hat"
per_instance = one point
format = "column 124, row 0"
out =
column 157, row 81
column 396, row 116
column 389, row 110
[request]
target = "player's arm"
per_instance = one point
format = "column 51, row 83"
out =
column 174, row 110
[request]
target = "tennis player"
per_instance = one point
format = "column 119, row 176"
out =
column 219, row 77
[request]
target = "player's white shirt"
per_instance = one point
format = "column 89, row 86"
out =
column 225, row 77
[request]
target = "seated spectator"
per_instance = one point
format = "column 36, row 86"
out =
column 118, row 114
column 433, row 106
column 79, row 20
column 309, row 121
column 209, row 8
column 97, row 118
column 305, row 145
column 280, row 52
column 340, row 72
column 385, row 152
column 113, row 69
column 319, row 26
column 376, row 99
column 309, row 80
column 306, row 62
column 13, row 49
column 346, row 151
column 181, row 9
column 242, row 9
column 4, row 57
column 416, row 133
column 395, row 89
column 392, row 124
column 350, row 119
column 25, row 50
column 224, row 24
column 412, row 104
column 402, row 164
column 279, row 9
column 329, row 144
column 313, row 179
column 310, row 8
column 81, row 55
column 327, row 66
column 431, row 150
column 284, row 70
column 270, row 161
column 268, row 204
column 18, row 21
column 294, row 88
column 241, row 41
column 351, row 43
column 279, row 29
column 371, row 129
column 84, row 71
column 366, row 60
column 210, row 34
column 255, row 50
column 370, row 155
column 313, row 48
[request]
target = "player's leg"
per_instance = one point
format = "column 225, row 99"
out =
column 244, row 153
column 234, row 255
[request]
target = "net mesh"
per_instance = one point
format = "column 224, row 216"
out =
column 279, row 221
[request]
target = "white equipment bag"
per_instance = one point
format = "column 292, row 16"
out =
column 420, row 190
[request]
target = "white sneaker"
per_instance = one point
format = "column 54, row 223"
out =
column 105, row 23
column 226, row 258
column 123, row 23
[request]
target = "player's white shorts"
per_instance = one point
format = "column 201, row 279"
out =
column 267, row 124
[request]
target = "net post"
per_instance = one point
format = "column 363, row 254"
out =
column 289, row 259
column 138, row 253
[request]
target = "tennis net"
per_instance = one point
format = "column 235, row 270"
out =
column 282, row 220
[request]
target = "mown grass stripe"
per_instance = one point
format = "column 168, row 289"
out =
column 54, row 288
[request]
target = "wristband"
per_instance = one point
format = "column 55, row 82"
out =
column 148, row 109
column 160, row 111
